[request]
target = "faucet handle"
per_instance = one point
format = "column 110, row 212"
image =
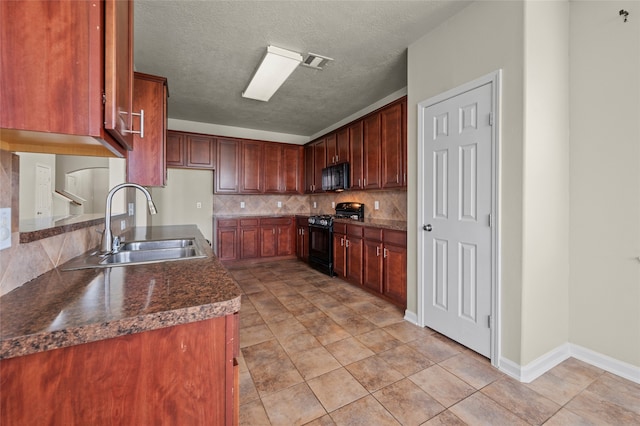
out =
column 115, row 246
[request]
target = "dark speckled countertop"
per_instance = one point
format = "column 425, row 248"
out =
column 65, row 308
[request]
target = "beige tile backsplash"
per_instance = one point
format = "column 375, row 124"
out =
column 393, row 204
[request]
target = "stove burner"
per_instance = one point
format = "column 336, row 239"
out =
column 322, row 220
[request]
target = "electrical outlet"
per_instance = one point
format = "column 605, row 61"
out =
column 333, row 204
column 279, row 204
column 123, row 224
column 132, row 209
column 376, row 205
column 198, row 205
column 315, row 205
column 242, row 204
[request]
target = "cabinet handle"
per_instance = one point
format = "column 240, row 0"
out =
column 397, row 178
column 384, row 252
column 141, row 115
column 359, row 186
column 377, row 251
column 341, row 242
column 405, row 178
column 364, row 181
column 347, row 241
column 273, row 231
column 279, row 230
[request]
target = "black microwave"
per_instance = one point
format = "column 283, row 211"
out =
column 336, row 178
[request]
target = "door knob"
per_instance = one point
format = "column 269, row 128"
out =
column 427, row 228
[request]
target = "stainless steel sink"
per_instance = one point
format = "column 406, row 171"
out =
column 156, row 245
column 139, row 252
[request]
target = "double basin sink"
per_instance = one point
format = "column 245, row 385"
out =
column 138, row 253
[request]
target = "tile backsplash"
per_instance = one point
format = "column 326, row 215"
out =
column 393, row 204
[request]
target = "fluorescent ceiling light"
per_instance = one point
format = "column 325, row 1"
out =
column 277, row 65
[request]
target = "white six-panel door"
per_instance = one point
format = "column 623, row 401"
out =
column 456, row 243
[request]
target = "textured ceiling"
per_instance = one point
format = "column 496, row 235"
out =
column 209, row 50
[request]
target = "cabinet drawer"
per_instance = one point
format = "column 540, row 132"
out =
column 340, row 228
column 373, row 234
column 395, row 237
column 355, row 230
column 227, row 223
column 275, row 221
column 249, row 222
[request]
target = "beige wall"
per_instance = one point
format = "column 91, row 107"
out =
column 604, row 290
column 545, row 193
column 482, row 38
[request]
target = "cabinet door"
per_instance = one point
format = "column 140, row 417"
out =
column 272, row 167
column 51, row 58
column 391, row 146
column 309, row 172
column 319, row 163
column 372, row 268
column 342, row 145
column 331, row 149
column 395, row 273
column 249, row 242
column 371, row 152
column 291, row 176
column 339, row 255
column 354, row 260
column 200, row 152
column 175, row 150
column 268, row 241
column 146, row 163
column 302, row 243
column 356, row 163
column 227, row 243
column 251, row 167
column 228, row 166
column 285, row 240
column 118, row 75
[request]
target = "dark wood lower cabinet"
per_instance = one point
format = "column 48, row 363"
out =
column 302, row 238
column 185, row 374
column 256, row 237
column 375, row 259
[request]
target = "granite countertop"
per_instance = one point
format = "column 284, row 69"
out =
column 65, row 308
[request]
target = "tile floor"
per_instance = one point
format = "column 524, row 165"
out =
column 319, row 351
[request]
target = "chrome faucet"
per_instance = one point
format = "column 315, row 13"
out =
column 107, row 244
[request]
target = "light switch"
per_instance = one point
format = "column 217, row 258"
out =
column 198, row 205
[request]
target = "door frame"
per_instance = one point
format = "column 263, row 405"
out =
column 494, row 78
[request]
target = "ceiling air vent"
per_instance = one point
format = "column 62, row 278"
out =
column 315, row 61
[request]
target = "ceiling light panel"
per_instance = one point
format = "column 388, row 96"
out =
column 276, row 66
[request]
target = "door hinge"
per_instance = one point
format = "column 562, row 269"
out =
column 490, row 220
column 489, row 321
column 490, row 119
column 104, row 98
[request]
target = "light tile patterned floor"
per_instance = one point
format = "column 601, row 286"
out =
column 319, row 351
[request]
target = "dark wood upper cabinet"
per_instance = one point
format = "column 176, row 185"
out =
column 176, row 149
column 292, row 173
column 227, row 180
column 272, row 167
column 315, row 159
column 356, row 155
column 251, row 167
column 392, row 149
column 146, row 163
column 371, row 152
column 118, row 76
column 200, row 151
column 57, row 61
column 342, row 145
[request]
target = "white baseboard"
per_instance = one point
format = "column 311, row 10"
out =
column 411, row 317
column 546, row 362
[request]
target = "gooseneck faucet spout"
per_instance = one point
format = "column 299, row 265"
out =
column 106, row 246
